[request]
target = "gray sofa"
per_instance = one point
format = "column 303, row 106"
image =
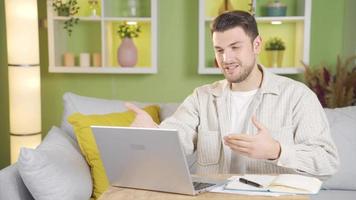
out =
column 342, row 122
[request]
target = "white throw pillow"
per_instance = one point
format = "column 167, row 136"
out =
column 167, row 109
column 56, row 169
column 89, row 105
column 343, row 131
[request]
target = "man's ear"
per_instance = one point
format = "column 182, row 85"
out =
column 257, row 44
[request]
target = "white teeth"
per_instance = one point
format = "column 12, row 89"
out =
column 231, row 67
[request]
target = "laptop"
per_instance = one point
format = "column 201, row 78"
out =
column 147, row 158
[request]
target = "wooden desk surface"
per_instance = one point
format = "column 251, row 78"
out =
column 114, row 193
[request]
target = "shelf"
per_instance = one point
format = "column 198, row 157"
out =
column 113, row 41
column 282, row 19
column 121, row 8
column 293, row 29
column 96, row 18
column 103, row 70
column 97, row 37
column 209, row 70
column 139, row 19
column 280, row 70
column 269, row 19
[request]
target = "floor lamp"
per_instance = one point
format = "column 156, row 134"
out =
column 24, row 74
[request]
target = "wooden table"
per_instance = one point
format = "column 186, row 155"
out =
column 114, row 193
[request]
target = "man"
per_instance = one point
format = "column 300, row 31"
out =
column 253, row 121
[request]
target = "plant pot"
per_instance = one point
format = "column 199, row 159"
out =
column 274, row 58
column 68, row 59
column 127, row 53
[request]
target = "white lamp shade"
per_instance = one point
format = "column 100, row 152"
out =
column 22, row 31
column 17, row 142
column 24, row 74
column 25, row 100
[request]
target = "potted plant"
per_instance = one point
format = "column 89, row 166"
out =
column 275, row 48
column 336, row 89
column 67, row 8
column 127, row 51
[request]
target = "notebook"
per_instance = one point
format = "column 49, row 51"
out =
column 148, row 158
column 283, row 183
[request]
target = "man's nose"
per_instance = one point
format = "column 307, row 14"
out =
column 227, row 57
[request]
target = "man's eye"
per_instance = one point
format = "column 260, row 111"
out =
column 235, row 48
column 219, row 51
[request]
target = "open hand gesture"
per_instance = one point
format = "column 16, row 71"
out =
column 142, row 119
column 259, row 146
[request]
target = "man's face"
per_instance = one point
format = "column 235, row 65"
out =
column 235, row 53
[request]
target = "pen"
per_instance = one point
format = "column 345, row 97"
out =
column 252, row 183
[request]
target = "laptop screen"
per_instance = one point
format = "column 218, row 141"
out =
column 143, row 158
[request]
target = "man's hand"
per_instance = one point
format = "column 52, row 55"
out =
column 142, row 119
column 258, row 146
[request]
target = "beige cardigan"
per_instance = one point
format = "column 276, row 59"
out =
column 290, row 111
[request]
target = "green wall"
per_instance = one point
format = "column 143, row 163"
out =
column 177, row 63
column 349, row 44
column 326, row 31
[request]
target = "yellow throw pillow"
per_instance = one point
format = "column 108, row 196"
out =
column 81, row 125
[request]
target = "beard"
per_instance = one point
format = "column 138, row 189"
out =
column 245, row 71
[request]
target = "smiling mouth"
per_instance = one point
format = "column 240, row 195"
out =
column 231, row 68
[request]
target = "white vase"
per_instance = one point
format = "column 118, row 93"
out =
column 127, row 53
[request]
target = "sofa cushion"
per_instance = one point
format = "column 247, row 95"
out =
column 56, row 169
column 89, row 105
column 11, row 184
column 343, row 130
column 334, row 195
column 167, row 109
column 86, row 140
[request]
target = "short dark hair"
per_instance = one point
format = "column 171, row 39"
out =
column 236, row 18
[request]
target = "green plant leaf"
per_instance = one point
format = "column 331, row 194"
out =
column 128, row 30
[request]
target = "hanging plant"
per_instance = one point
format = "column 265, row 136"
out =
column 67, row 8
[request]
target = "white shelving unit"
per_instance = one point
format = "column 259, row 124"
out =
column 89, row 41
column 299, row 22
column 284, row 70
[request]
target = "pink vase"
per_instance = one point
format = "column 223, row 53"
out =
column 127, row 53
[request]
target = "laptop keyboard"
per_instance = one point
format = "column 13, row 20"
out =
column 200, row 185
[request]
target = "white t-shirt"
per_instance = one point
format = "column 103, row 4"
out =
column 240, row 102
